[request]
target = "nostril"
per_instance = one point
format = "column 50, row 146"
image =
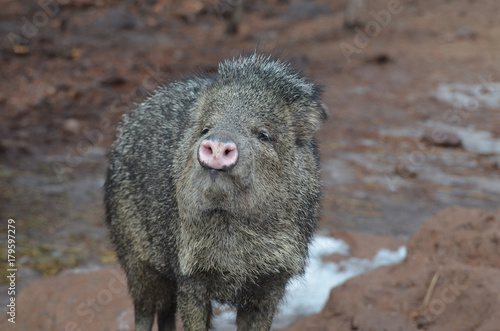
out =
column 206, row 148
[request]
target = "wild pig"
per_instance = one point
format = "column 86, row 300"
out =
column 213, row 193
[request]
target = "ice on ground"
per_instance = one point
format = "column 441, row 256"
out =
column 322, row 245
column 470, row 96
column 308, row 294
column 480, row 142
column 465, row 99
column 474, row 141
column 124, row 320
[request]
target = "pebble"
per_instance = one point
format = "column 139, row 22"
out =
column 442, row 138
column 72, row 126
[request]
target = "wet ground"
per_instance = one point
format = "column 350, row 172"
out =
column 68, row 73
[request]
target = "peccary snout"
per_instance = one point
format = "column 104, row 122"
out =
column 218, row 152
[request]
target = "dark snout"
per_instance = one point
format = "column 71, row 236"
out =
column 218, row 152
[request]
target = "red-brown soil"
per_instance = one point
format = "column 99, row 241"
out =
column 70, row 69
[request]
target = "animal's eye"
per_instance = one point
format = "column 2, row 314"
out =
column 204, row 131
column 264, row 136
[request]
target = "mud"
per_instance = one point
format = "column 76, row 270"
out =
column 69, row 72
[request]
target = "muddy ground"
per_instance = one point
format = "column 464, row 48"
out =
column 70, row 69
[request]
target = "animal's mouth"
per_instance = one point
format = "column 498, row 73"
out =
column 214, row 173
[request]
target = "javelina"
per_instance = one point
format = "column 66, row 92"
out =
column 212, row 193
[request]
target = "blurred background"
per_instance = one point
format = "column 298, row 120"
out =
column 412, row 88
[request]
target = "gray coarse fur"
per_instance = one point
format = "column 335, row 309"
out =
column 186, row 235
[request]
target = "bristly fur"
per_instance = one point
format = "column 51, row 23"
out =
column 185, row 237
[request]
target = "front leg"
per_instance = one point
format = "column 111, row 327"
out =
column 194, row 305
column 259, row 303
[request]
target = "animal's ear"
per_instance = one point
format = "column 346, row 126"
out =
column 309, row 118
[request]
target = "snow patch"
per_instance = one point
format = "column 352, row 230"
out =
column 125, row 320
column 308, row 294
column 83, row 270
column 475, row 141
column 470, row 96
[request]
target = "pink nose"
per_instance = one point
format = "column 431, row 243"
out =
column 218, row 152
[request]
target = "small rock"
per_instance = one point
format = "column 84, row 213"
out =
column 76, row 53
column 21, row 49
column 74, row 93
column 72, row 126
column 113, row 80
column 441, row 137
column 51, row 90
column 404, row 170
column 380, row 59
